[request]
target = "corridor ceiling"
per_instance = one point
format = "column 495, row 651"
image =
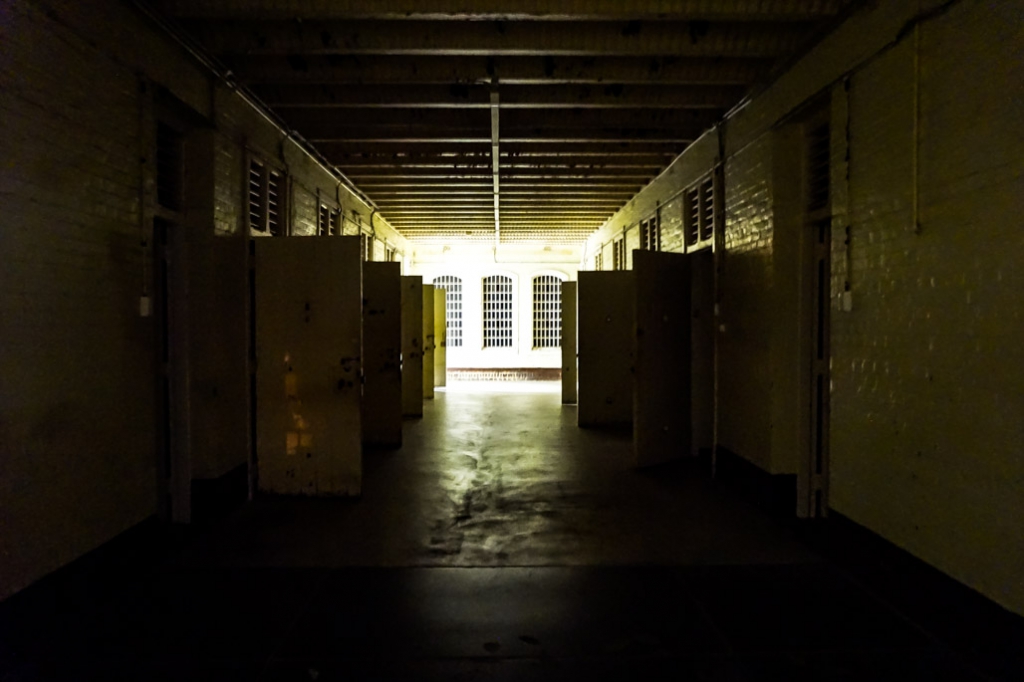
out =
column 583, row 102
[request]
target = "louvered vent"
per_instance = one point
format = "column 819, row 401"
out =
column 275, row 203
column 256, row 213
column 334, row 222
column 321, row 220
column 818, row 171
column 707, row 208
column 650, row 234
column 691, row 216
column 168, row 166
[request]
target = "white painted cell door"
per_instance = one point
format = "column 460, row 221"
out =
column 308, row 322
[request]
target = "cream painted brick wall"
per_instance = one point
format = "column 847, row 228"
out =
column 927, row 396
column 76, row 421
column 928, row 393
column 746, row 307
column 77, row 400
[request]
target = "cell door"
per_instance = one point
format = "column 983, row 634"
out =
column 308, row 318
column 813, row 486
column 440, row 337
column 605, row 306
column 568, row 331
column 382, row 343
column 169, row 303
column 662, row 422
column 412, row 346
column 428, row 340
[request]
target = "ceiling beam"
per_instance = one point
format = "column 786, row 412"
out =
column 604, row 39
column 346, row 161
column 305, row 69
column 507, row 10
column 332, row 149
column 315, row 122
column 512, row 96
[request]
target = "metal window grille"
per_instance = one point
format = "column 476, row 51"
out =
column 257, row 214
column 169, row 168
column 547, row 311
column 275, row 202
column 818, row 167
column 707, row 208
column 599, row 261
column 497, row 312
column 453, row 302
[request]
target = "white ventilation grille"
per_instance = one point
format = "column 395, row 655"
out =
column 274, row 203
column 691, row 216
column 650, row 234
column 453, row 300
column 707, row 208
column 547, row 312
column 497, row 312
column 257, row 220
column 327, row 221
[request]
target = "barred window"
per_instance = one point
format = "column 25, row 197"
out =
column 453, row 302
column 497, row 312
column 547, row 311
column 599, row 261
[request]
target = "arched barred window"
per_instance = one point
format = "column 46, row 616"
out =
column 453, row 299
column 547, row 311
column 497, row 311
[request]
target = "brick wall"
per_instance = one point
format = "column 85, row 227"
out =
column 926, row 415
column 925, row 435
column 78, row 396
column 77, row 421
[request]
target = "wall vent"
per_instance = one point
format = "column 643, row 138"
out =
column 818, row 167
column 169, row 166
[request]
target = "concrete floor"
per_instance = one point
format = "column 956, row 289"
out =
column 501, row 542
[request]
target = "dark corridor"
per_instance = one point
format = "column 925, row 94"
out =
column 501, row 542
